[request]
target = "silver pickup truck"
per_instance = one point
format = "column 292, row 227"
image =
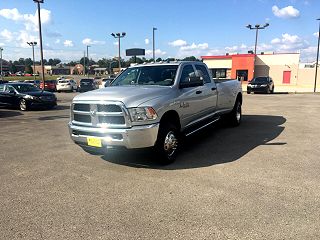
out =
column 153, row 105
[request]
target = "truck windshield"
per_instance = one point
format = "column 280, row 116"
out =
column 147, row 75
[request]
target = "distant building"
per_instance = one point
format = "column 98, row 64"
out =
column 284, row 68
column 100, row 71
column 53, row 70
column 77, row 69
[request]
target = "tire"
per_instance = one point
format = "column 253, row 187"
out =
column 268, row 91
column 23, row 106
column 167, row 144
column 235, row 116
column 248, row 92
column 272, row 91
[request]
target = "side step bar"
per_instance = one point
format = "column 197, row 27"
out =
column 194, row 130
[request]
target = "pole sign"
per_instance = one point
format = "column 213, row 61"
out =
column 135, row 52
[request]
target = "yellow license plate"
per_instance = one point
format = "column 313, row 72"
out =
column 94, row 142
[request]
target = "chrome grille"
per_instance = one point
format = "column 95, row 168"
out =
column 109, row 108
column 82, row 118
column 81, row 107
column 100, row 114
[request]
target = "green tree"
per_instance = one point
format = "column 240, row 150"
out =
column 28, row 69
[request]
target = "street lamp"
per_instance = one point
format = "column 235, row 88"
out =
column 317, row 62
column 118, row 35
column 153, row 44
column 40, row 36
column 33, row 44
column 1, row 49
column 257, row 27
column 88, row 58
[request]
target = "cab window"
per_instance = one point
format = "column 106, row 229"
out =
column 203, row 73
column 186, row 73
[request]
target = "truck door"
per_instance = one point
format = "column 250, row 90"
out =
column 209, row 93
column 192, row 100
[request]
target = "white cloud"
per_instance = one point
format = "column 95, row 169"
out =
column 68, row 43
column 158, row 53
column 89, row 41
column 178, row 43
column 57, row 41
column 6, row 35
column 24, row 36
column 193, row 46
column 291, row 43
column 29, row 20
column 316, row 34
column 276, row 41
column 147, row 41
column 287, row 12
column 115, row 43
column 1, row 44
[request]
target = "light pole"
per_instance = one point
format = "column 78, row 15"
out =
column 88, row 59
column 1, row 49
column 317, row 62
column 33, row 44
column 84, row 63
column 40, row 36
column 118, row 35
column 153, row 44
column 257, row 27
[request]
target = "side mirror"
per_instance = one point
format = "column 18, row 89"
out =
column 107, row 83
column 12, row 92
column 193, row 82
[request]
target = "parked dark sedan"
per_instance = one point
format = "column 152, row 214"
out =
column 261, row 85
column 25, row 96
column 87, row 85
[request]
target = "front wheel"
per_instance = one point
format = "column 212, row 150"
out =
column 23, row 105
column 167, row 143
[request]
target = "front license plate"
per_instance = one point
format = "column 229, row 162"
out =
column 94, row 142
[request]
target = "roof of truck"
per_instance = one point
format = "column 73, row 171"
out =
column 164, row 63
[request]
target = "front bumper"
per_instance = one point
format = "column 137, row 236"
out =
column 257, row 89
column 134, row 137
column 64, row 88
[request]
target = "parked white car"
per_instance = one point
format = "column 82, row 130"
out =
column 67, row 85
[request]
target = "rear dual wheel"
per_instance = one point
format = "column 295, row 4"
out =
column 235, row 116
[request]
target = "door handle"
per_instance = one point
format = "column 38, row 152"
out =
column 198, row 92
column 214, row 88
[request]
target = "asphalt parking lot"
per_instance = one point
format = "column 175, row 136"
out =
column 257, row 181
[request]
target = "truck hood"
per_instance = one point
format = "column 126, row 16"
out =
column 131, row 96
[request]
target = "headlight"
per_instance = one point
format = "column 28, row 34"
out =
column 29, row 97
column 142, row 114
column 264, row 85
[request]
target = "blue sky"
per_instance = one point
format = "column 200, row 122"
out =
column 185, row 28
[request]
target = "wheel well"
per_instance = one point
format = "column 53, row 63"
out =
column 239, row 97
column 171, row 117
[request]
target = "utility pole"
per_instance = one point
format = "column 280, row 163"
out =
column 257, row 27
column 153, row 44
column 88, row 59
column 40, row 36
column 84, row 63
column 33, row 44
column 118, row 35
column 317, row 62
column 1, row 73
